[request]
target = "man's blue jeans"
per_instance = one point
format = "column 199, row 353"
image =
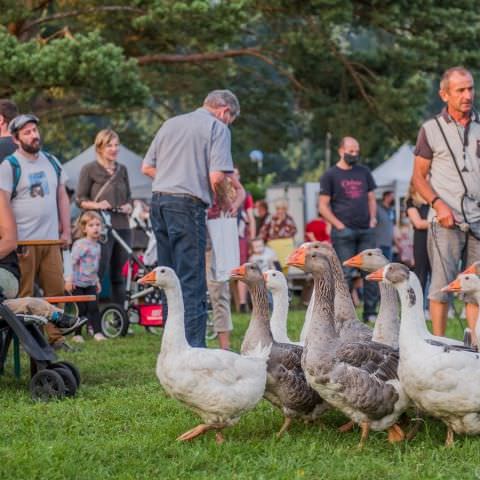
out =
column 180, row 228
column 347, row 243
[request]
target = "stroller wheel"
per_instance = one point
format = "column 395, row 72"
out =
column 113, row 321
column 70, row 366
column 68, row 378
column 46, row 385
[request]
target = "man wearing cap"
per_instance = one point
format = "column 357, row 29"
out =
column 188, row 159
column 35, row 185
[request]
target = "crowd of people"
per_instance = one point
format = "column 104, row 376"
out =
column 194, row 181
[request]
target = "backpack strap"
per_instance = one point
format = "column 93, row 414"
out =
column 16, row 172
column 56, row 166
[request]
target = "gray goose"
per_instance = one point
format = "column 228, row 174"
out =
column 359, row 378
column 286, row 386
column 387, row 325
column 347, row 324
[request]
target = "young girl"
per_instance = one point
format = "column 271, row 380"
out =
column 85, row 263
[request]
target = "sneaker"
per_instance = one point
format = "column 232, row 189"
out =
column 99, row 337
column 62, row 320
column 78, row 339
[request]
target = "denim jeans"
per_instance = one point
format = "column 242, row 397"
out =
column 349, row 242
column 180, row 228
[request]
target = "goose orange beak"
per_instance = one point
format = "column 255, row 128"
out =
column 376, row 276
column 149, row 278
column 356, row 261
column 239, row 272
column 453, row 286
column 297, row 257
column 471, row 269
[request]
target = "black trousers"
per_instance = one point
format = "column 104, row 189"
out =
column 88, row 309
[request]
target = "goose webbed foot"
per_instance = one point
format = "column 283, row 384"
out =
column 200, row 430
column 285, row 426
column 450, row 438
column 346, row 427
column 365, row 427
column 395, row 434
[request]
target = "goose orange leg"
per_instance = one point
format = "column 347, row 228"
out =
column 449, row 439
column 285, row 426
column 395, row 434
column 365, row 426
column 346, row 427
column 200, row 430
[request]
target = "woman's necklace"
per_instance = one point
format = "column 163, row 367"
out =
column 110, row 167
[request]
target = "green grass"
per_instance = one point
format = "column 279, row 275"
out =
column 122, row 426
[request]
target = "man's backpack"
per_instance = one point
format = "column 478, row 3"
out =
column 17, row 170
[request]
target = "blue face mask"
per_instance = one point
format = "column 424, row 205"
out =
column 351, row 159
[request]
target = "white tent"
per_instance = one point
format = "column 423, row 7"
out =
column 140, row 185
column 395, row 173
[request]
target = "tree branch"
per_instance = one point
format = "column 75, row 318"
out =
column 75, row 13
column 167, row 58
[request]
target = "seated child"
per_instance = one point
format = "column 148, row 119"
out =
column 263, row 256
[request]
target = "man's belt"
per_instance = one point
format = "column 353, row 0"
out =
column 181, row 195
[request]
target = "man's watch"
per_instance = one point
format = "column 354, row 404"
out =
column 432, row 203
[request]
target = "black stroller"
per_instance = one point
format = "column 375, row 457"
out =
column 50, row 379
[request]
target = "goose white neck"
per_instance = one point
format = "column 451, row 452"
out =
column 174, row 331
column 413, row 330
column 278, row 321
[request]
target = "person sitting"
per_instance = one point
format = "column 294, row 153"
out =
column 318, row 230
column 263, row 256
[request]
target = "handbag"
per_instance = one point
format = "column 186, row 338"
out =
column 223, row 233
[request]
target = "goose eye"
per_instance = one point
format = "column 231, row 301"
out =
column 369, row 254
column 314, row 255
column 467, row 277
column 162, row 270
column 274, row 274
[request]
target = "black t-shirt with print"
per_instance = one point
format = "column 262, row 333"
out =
column 348, row 192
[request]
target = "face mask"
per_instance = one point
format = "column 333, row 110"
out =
column 351, row 159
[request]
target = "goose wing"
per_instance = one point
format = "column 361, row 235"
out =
column 361, row 375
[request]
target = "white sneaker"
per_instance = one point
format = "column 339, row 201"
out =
column 99, row 337
column 78, row 339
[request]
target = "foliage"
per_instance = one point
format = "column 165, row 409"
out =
column 300, row 68
column 121, row 425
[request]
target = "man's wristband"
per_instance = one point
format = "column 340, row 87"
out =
column 432, row 203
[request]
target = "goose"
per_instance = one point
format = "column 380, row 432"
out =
column 360, row 377
column 277, row 284
column 347, row 324
column 286, row 386
column 218, row 385
column 468, row 283
column 387, row 325
column 443, row 382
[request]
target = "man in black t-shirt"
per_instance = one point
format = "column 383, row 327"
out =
column 347, row 201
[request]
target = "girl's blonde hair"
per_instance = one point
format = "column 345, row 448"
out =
column 103, row 138
column 81, row 223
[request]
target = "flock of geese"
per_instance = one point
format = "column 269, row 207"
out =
column 371, row 376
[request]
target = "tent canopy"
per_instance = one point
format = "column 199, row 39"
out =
column 396, row 172
column 140, row 185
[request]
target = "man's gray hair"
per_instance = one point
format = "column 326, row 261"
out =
column 444, row 82
column 223, row 98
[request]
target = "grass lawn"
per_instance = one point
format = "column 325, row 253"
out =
column 122, row 426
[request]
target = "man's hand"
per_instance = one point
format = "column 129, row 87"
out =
column 373, row 222
column 339, row 226
column 104, row 205
column 66, row 239
column 126, row 208
column 444, row 214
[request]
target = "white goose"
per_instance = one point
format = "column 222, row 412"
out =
column 468, row 283
column 442, row 381
column 387, row 325
column 277, row 285
column 218, row 385
column 357, row 377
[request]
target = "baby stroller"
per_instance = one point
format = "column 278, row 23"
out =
column 142, row 306
column 50, row 379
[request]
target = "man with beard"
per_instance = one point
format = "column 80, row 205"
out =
column 38, row 217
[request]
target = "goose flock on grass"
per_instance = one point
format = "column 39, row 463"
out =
column 373, row 377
